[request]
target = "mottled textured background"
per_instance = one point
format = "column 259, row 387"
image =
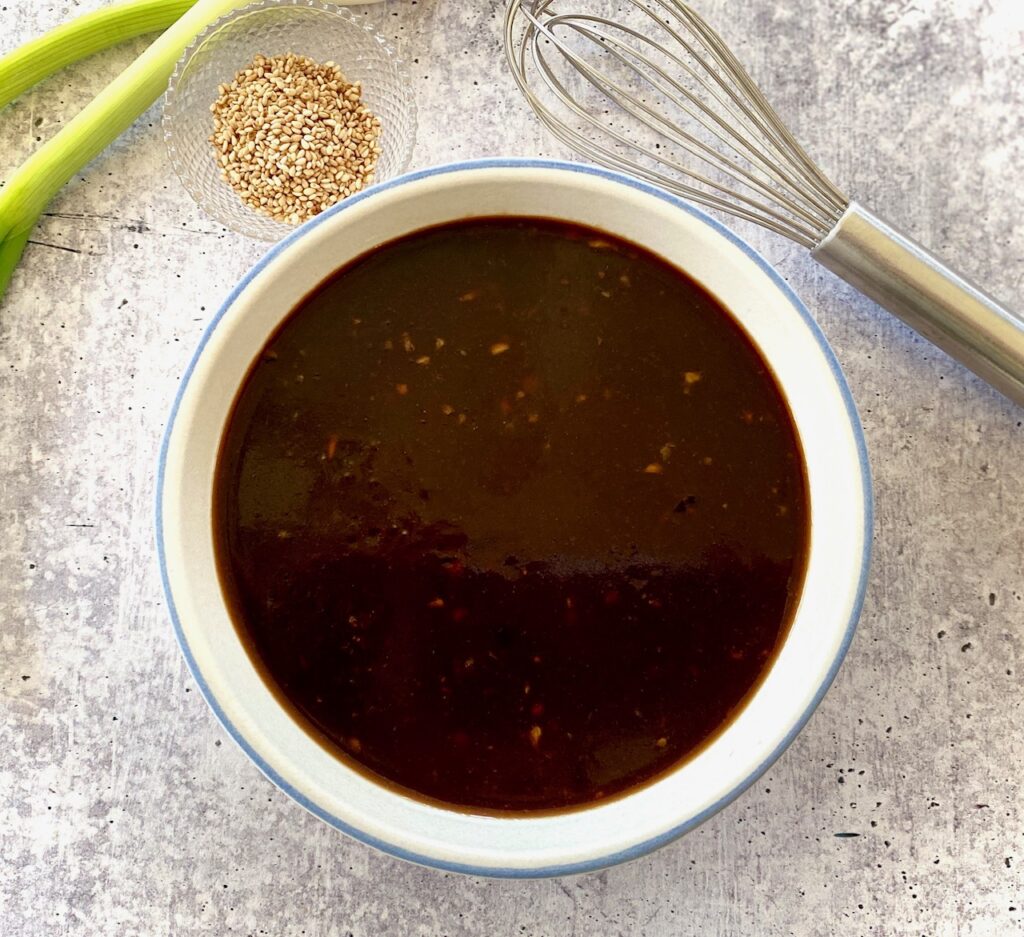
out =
column 125, row 809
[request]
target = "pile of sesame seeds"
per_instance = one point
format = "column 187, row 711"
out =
column 292, row 137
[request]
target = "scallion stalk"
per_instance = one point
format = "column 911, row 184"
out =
column 83, row 36
column 29, row 190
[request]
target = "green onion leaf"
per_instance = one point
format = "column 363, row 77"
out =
column 29, row 190
column 83, row 36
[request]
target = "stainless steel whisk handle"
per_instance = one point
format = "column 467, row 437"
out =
column 917, row 287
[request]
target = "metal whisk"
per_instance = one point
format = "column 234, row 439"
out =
column 655, row 92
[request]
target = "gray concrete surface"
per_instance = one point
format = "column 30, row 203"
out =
column 125, row 809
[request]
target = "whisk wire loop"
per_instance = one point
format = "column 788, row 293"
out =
column 689, row 104
column 685, row 115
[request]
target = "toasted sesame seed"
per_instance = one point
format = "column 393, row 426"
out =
column 292, row 137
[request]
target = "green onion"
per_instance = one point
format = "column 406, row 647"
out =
column 82, row 37
column 41, row 176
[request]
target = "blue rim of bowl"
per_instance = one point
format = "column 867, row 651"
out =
column 649, row 845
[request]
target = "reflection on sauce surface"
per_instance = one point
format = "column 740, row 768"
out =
column 512, row 514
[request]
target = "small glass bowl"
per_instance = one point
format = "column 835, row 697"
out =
column 322, row 32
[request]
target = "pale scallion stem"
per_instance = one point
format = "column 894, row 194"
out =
column 10, row 252
column 40, row 177
column 81, row 37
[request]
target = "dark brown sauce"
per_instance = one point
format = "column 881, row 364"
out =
column 511, row 514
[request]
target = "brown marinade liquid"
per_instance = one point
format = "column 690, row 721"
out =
column 511, row 514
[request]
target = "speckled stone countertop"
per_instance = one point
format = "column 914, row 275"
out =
column 124, row 807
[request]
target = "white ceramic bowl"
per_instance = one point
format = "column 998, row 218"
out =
column 840, row 520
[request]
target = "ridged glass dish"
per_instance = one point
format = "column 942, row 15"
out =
column 321, row 31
